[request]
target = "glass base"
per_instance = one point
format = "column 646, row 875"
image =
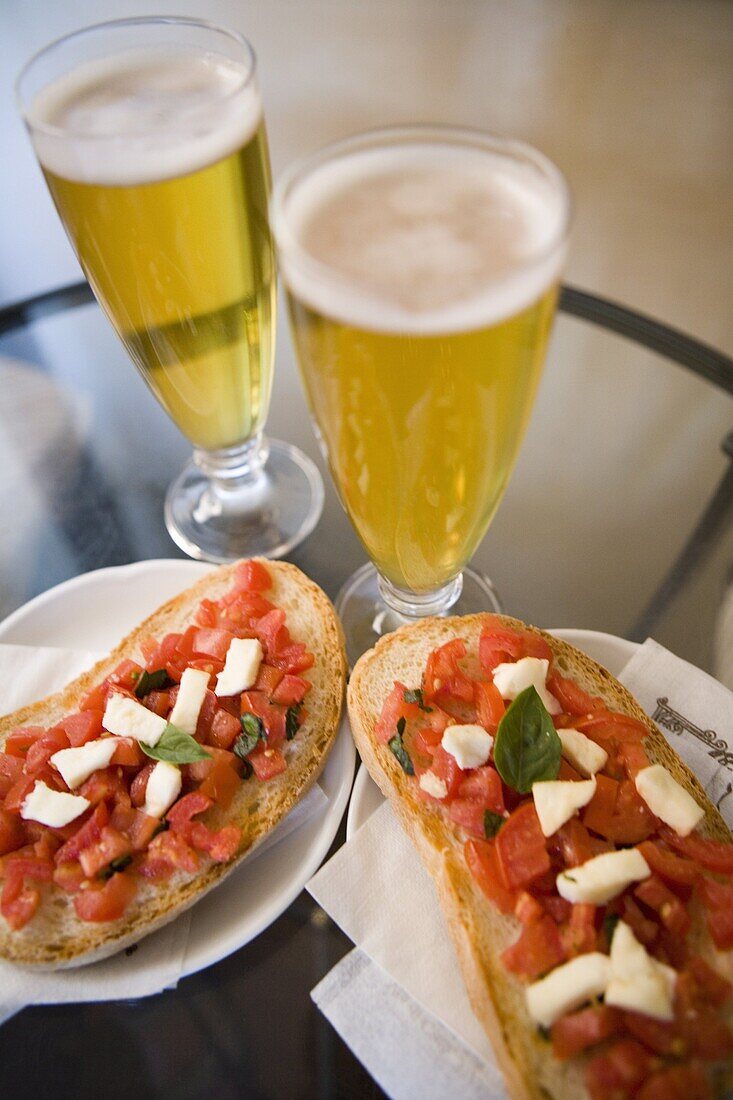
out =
column 261, row 499
column 365, row 616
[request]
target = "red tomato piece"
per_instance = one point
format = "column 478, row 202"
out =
column 18, row 793
column 393, row 710
column 291, row 690
column 446, row 768
column 570, row 696
column 619, row 1072
column 105, row 785
column 574, row 843
column 599, row 812
column 520, row 847
column 670, row 910
column 580, row 1030
column 108, row 902
column 609, row 724
column 139, row 784
column 712, row 987
column 211, row 642
column 181, row 812
column 713, row 855
column 221, row 784
column 677, row 1083
column 96, row 699
column 267, row 762
column 82, row 727
column 159, row 702
column 89, row 832
column 110, row 846
column 633, row 757
column 676, row 871
column 172, row 849
column 645, row 930
column 527, row 909
column 141, row 830
column 12, row 833
column 443, row 674
column 268, row 678
column 19, row 902
column 489, row 705
column 19, row 741
column 11, row 770
column 484, row 866
column 221, row 845
column 273, row 633
column 126, row 674
column 128, row 753
column 538, row 950
column 43, row 749
column 720, row 927
column 579, row 935
column 225, row 729
column 469, row 815
column 294, row 658
column 483, row 786
column 700, row 1022
column 253, row 576
column 632, row 821
column 69, row 876
column 558, row 908
column 498, row 645
column 660, row 1036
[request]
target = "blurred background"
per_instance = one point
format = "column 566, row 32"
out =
column 633, row 100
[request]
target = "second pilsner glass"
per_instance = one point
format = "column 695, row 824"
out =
column 422, row 268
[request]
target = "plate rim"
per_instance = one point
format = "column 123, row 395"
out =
column 342, row 754
column 362, row 782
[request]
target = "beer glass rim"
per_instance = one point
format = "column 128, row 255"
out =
column 130, row 22
column 385, row 136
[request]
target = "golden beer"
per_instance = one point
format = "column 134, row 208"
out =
column 172, row 231
column 421, row 332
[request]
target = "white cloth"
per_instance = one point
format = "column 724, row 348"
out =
column 404, row 969
column 158, row 961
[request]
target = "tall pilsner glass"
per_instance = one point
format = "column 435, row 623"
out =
column 422, row 268
column 152, row 142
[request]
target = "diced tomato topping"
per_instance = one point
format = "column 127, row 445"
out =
column 445, row 766
column 645, row 930
column 221, row 784
column 19, row 902
column 469, row 815
column 253, row 576
column 273, row 717
column 12, row 833
column 82, row 727
column 159, row 702
column 43, row 749
column 105, row 785
column 670, row 910
column 221, row 845
column 520, row 847
column 578, row 1031
column 294, row 658
column 675, row 870
column 707, row 1034
column 598, row 814
column 618, row 813
column 89, row 832
column 608, row 725
column 489, row 705
column 126, row 674
column 19, row 741
column 713, row 855
column 140, row 784
column 268, row 678
column 393, row 710
column 484, row 866
column 633, row 757
column 483, row 786
column 18, row 793
column 211, row 642
column 69, row 876
column 225, row 729
column 570, row 696
column 558, row 908
column 713, row 987
column 579, row 936
column 291, row 690
column 677, row 1083
column 443, row 676
column 619, row 1072
column 174, row 850
column 96, row 699
column 110, row 846
column 11, row 769
column 574, row 842
column 527, row 909
column 128, row 753
column 720, row 927
column 267, row 762
column 660, row 1036
column 498, row 645
column 108, row 902
column 180, row 814
column 538, row 950
column 141, row 830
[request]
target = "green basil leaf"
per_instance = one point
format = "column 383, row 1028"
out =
column 492, row 823
column 416, row 696
column 527, row 748
column 151, row 681
column 253, row 730
column 115, row 866
column 397, row 746
column 292, row 721
column 401, row 723
column 176, row 747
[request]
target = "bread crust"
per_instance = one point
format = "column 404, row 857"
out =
column 478, row 932
column 56, row 938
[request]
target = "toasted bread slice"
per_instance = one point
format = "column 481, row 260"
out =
column 478, row 931
column 56, row 938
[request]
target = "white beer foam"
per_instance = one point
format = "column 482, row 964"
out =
column 424, row 238
column 143, row 115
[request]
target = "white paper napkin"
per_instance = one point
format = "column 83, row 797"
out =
column 404, row 968
column 157, row 962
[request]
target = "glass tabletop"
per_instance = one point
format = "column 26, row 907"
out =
column 618, row 518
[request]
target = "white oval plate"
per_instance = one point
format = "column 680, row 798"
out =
column 93, row 612
column 607, row 649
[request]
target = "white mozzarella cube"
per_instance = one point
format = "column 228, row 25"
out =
column 639, row 983
column 584, row 754
column 76, row 765
column 242, row 664
column 514, row 677
column 52, row 808
column 666, row 798
column 556, row 800
column 191, row 692
column 163, row 788
column 125, row 717
column 604, row 877
column 433, row 785
column 567, row 987
column 469, row 745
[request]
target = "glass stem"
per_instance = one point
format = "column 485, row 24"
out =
column 416, row 605
column 234, row 468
